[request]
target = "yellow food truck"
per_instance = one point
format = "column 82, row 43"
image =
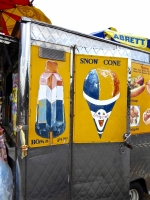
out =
column 75, row 124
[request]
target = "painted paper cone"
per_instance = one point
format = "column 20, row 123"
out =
column 101, row 91
column 100, row 111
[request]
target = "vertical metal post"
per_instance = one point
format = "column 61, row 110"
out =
column 71, row 118
column 23, row 104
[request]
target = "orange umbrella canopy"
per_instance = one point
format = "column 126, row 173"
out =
column 9, row 16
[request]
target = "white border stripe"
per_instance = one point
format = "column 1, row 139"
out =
column 100, row 102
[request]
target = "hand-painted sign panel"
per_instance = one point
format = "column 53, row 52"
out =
column 140, row 96
column 49, row 101
column 100, row 99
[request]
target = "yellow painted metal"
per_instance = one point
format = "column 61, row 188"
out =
column 85, row 130
column 140, row 104
column 36, row 69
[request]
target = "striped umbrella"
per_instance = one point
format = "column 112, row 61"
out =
column 11, row 12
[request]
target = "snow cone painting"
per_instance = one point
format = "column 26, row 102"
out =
column 101, row 91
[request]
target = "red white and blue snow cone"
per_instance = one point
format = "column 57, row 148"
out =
column 100, row 109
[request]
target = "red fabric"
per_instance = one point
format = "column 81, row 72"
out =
column 6, row 4
column 15, row 17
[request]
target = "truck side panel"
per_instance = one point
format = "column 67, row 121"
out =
column 74, row 163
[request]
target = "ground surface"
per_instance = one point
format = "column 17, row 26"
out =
column 146, row 197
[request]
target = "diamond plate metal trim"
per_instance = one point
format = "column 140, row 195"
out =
column 41, row 35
